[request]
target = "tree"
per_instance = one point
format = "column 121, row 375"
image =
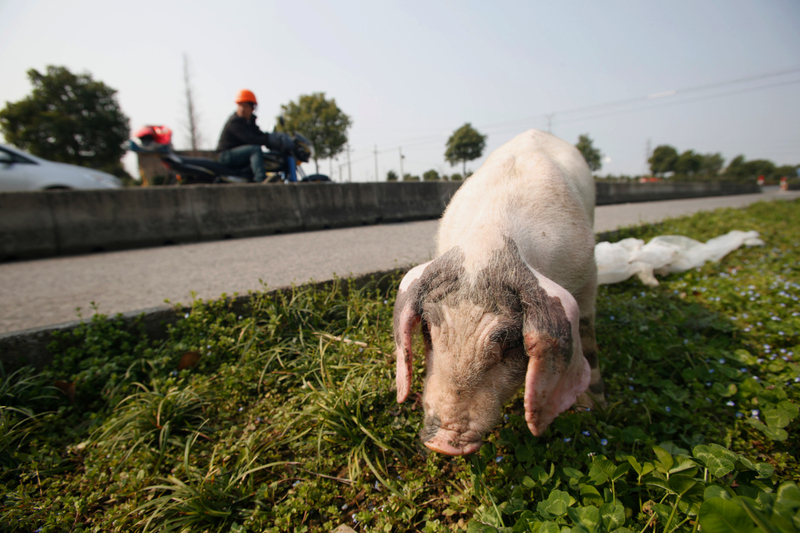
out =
column 456, row 177
column 192, row 117
column 592, row 155
column 391, row 176
column 409, row 177
column 431, row 175
column 466, row 144
column 68, row 118
column 663, row 160
column 321, row 121
column 741, row 170
column 711, row 165
column 688, row 164
column 789, row 171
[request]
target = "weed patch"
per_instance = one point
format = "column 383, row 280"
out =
column 284, row 418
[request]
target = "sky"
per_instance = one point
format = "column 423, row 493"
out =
column 711, row 76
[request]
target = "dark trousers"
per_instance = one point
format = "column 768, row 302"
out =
column 239, row 157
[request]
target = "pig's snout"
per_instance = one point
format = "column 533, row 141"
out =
column 442, row 443
column 449, row 441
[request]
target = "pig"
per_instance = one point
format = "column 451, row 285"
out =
column 509, row 298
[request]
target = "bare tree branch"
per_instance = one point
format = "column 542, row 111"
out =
column 193, row 125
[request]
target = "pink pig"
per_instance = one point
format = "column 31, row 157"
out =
column 509, row 299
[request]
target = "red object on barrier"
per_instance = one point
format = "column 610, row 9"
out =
column 158, row 134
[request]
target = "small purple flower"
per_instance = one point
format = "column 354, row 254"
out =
column 668, row 409
column 710, row 370
column 186, row 315
column 567, row 439
column 730, row 403
column 739, row 415
column 498, row 459
column 603, row 442
column 755, row 413
column 708, row 383
column 241, row 409
column 722, row 361
column 586, row 433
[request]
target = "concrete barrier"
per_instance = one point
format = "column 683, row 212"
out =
column 43, row 224
column 624, row 192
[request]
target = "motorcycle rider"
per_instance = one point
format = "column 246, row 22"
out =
column 241, row 140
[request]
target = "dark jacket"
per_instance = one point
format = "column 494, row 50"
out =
column 239, row 132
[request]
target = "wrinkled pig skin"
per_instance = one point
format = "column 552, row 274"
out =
column 510, row 298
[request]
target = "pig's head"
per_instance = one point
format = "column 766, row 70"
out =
column 485, row 334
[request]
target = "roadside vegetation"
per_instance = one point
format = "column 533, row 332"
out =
column 284, row 418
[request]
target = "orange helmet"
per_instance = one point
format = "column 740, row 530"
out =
column 246, row 96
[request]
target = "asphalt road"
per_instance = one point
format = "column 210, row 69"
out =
column 48, row 291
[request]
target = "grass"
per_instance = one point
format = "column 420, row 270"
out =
column 284, row 419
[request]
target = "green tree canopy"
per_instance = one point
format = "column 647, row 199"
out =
column 789, row 171
column 391, row 176
column 663, row 160
column 431, row 175
column 70, row 118
column 688, row 163
column 712, row 165
column 592, row 155
column 321, row 121
column 741, row 170
column 466, row 144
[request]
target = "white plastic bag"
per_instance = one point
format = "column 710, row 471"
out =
column 664, row 255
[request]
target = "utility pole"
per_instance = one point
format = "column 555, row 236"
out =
column 647, row 158
column 376, row 164
column 401, row 163
column 349, row 171
column 330, row 167
column 341, row 179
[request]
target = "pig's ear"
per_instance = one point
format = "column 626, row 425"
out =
column 557, row 370
column 406, row 317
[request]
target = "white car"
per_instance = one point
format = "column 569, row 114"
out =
column 21, row 171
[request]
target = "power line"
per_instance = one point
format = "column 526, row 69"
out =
column 633, row 103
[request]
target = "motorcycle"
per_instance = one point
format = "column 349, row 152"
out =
column 280, row 167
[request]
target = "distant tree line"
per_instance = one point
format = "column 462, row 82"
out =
column 666, row 162
column 430, row 175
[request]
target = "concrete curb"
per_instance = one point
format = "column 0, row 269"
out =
column 46, row 224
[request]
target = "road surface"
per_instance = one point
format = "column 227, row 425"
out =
column 48, row 291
